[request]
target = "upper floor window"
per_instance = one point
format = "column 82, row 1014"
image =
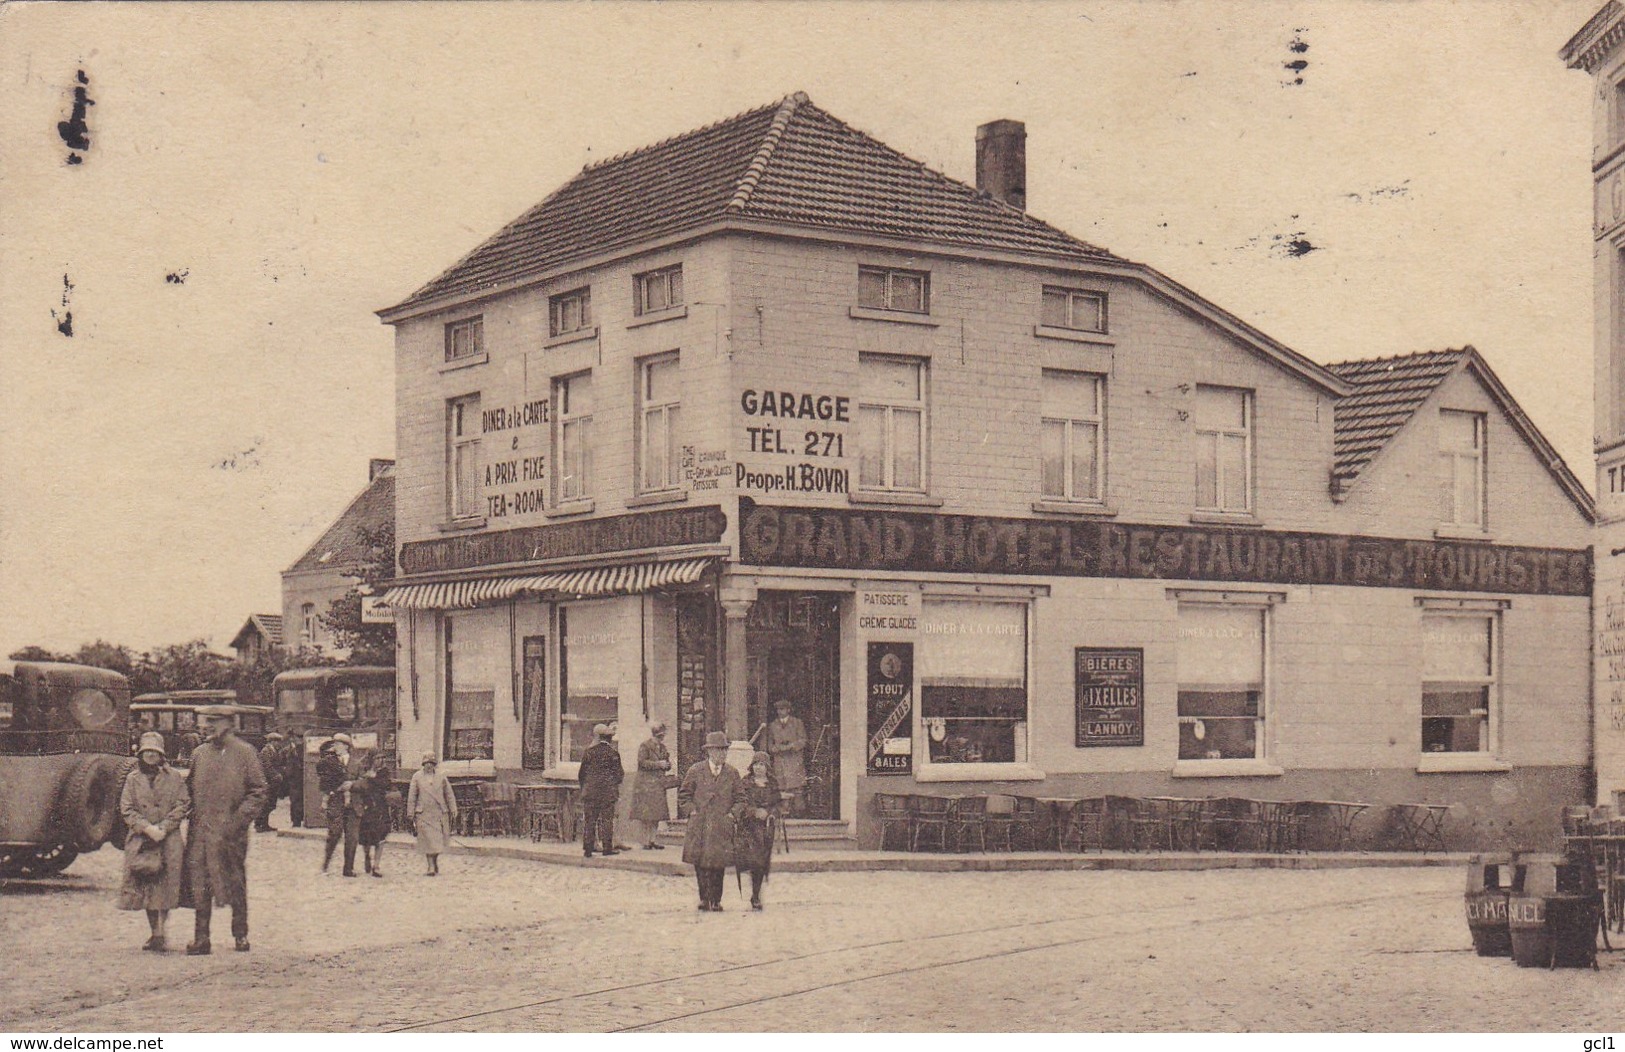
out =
column 1074, row 309
column 307, row 625
column 659, row 400
column 885, row 288
column 1461, row 467
column 1224, row 449
column 1459, row 676
column 465, row 339
column 463, row 457
column 572, row 433
column 657, row 290
column 569, row 312
column 891, row 423
column 1073, row 430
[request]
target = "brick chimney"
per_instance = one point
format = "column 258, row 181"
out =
column 378, row 466
column 1001, row 161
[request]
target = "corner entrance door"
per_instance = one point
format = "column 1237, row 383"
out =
column 793, row 651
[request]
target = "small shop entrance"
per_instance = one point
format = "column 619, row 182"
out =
column 793, row 648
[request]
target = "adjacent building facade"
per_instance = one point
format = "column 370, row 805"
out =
column 327, row 569
column 1599, row 49
column 770, row 411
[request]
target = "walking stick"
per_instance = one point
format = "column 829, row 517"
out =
column 784, row 833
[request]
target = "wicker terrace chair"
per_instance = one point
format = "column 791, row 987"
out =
column 893, row 812
column 1087, row 825
column 999, row 822
column 930, row 815
column 496, row 808
column 544, row 812
column 969, row 818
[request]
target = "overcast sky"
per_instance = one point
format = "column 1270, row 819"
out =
column 260, row 178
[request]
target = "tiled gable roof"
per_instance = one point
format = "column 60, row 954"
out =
column 1387, row 392
column 789, row 162
column 269, row 626
column 340, row 547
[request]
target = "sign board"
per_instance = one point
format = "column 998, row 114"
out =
column 890, row 614
column 568, row 540
column 1110, row 696
column 853, row 539
column 891, row 708
column 374, row 611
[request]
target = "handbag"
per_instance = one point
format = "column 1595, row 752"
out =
column 147, row 864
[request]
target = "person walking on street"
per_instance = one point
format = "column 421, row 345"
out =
column 293, row 776
column 787, row 744
column 154, row 803
column 600, row 777
column 649, row 787
column 432, row 807
column 759, row 821
column 712, row 799
column 373, row 791
column 228, row 792
column 275, row 779
column 336, row 777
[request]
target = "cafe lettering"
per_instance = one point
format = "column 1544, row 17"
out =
column 860, row 540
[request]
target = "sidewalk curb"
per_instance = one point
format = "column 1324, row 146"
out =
column 847, row 861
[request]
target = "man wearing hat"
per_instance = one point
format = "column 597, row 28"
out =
column 712, row 798
column 228, row 793
column 275, row 779
column 600, row 777
column 335, row 776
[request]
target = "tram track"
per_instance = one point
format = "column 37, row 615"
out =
column 900, row 957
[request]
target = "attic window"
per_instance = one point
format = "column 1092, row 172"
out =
column 465, row 339
column 885, row 288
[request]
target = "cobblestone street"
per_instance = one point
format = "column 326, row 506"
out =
column 506, row 944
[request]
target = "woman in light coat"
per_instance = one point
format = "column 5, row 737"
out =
column 649, row 790
column 154, row 803
column 433, row 807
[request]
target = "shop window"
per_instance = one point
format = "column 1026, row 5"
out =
column 463, row 457
column 1073, row 435
column 1074, row 309
column 569, row 312
column 465, row 339
column 1459, row 679
column 659, row 403
column 887, row 288
column 657, row 290
column 891, row 423
column 973, row 681
column 470, row 694
column 1222, row 657
column 572, row 436
column 1224, row 449
column 589, row 669
column 1461, row 468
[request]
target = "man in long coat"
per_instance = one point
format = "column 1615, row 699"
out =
column 600, row 778
column 228, row 793
column 713, row 799
column 271, row 764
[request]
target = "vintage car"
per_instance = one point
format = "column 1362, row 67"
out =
column 64, row 755
column 174, row 715
column 313, row 704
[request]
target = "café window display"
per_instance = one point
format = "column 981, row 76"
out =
column 470, row 692
column 588, row 675
column 1459, row 681
column 1221, row 681
column 973, row 681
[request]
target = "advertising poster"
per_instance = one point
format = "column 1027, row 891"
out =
column 1111, row 696
column 891, row 708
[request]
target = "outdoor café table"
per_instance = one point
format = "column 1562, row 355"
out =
column 1182, row 819
column 1423, row 825
column 1057, row 812
column 1340, row 816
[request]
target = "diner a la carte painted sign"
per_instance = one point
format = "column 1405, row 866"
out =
column 615, row 533
column 852, row 539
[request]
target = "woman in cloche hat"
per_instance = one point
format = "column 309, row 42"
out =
column 433, row 808
column 154, row 803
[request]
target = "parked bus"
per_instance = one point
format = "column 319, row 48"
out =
column 173, row 714
column 313, row 704
column 64, row 755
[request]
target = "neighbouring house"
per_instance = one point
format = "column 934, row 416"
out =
column 260, row 634
column 327, row 570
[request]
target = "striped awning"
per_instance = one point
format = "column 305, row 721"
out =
column 600, row 581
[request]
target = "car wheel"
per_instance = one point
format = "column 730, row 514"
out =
column 92, row 796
